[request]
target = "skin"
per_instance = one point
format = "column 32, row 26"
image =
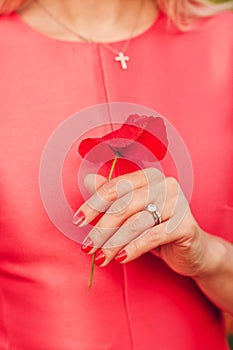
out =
column 178, row 240
column 102, row 21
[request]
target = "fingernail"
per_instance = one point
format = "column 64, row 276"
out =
column 87, row 245
column 121, row 256
column 100, row 258
column 78, row 218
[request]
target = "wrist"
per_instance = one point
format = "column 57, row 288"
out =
column 213, row 256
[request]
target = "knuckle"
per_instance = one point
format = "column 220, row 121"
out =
column 135, row 247
column 110, row 245
column 153, row 174
column 135, row 226
column 172, row 184
column 156, row 172
column 119, row 206
column 96, row 233
column 108, row 191
column 152, row 237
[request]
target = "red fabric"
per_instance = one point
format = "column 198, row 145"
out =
column 187, row 77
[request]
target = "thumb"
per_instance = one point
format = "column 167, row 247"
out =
column 94, row 181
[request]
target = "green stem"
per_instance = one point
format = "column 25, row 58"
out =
column 113, row 167
column 92, row 272
column 94, row 255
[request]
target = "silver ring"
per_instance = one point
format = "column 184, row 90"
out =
column 151, row 208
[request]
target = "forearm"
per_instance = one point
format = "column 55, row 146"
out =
column 216, row 279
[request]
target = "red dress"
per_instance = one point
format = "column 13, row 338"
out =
column 187, row 77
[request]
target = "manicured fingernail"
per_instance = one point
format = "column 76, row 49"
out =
column 87, row 245
column 121, row 256
column 79, row 218
column 100, row 258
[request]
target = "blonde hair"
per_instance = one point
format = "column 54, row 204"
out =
column 182, row 13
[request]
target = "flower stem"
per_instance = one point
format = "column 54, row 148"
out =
column 112, row 167
column 94, row 255
column 92, row 272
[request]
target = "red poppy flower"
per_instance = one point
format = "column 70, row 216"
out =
column 139, row 138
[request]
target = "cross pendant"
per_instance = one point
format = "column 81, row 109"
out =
column 122, row 59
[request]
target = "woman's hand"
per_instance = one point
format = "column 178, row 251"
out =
column 127, row 230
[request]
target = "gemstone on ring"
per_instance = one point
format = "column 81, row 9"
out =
column 152, row 208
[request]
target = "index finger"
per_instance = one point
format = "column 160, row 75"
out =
column 112, row 190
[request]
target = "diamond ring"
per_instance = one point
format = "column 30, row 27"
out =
column 151, row 208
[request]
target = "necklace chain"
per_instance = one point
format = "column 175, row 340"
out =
column 121, row 58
